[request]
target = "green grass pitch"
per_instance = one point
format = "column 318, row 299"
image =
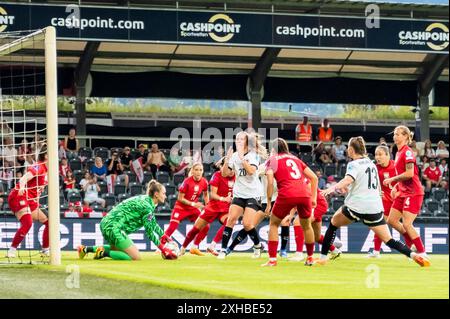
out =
column 239, row 276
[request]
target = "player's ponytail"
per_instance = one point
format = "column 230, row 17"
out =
column 153, row 187
column 404, row 130
column 358, row 144
column 280, row 145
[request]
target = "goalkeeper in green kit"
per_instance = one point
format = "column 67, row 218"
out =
column 126, row 218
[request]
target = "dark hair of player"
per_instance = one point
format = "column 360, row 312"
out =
column 358, row 145
column 42, row 153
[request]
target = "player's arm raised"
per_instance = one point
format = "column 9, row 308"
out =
column 342, row 185
column 226, row 168
column 314, row 182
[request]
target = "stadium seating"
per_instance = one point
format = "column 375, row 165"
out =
column 306, row 157
column 102, row 152
column 89, row 163
column 132, row 178
column 342, row 169
column 74, row 196
column 103, row 187
column 432, row 205
column 122, row 197
column 441, row 214
column 425, row 213
column 75, row 164
column 329, row 170
column 78, row 174
column 135, row 189
column 438, row 193
column 147, row 177
column 208, row 176
column 178, row 179
column 315, row 167
column 163, row 210
column 171, row 199
column 85, row 152
column 444, row 205
column 170, row 189
column 110, row 200
column 162, row 177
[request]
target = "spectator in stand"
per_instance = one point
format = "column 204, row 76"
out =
column 382, row 141
column 64, row 168
column 325, row 158
column 9, row 153
column 91, row 190
column 69, row 181
column 330, row 181
column 85, row 179
column 425, row 162
column 322, row 183
column 432, row 176
column 156, row 160
column 441, row 150
column 429, row 151
column 318, row 150
column 99, row 170
column 186, row 163
column 443, row 167
column 414, row 149
column 339, row 151
column 6, row 176
column 142, row 153
column 71, row 144
column 126, row 158
column 303, row 133
column 24, row 153
column 325, row 133
column 115, row 168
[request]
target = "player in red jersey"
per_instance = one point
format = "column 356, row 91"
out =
column 386, row 169
column 290, row 173
column 316, row 223
column 24, row 203
column 432, row 175
column 408, row 193
column 217, row 207
column 187, row 204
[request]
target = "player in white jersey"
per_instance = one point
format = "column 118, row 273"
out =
column 247, row 188
column 242, row 234
column 362, row 203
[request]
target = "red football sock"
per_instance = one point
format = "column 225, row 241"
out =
column 419, row 245
column 377, row 243
column 201, row 235
column 190, row 236
column 172, row 227
column 320, row 241
column 408, row 240
column 299, row 238
column 273, row 247
column 45, row 235
column 25, row 224
column 309, row 249
column 219, row 234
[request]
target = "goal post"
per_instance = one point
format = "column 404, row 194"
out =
column 28, row 76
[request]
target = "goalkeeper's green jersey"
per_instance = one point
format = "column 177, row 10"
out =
column 131, row 215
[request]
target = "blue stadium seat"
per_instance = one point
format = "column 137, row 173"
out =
column 110, row 200
column 122, row 197
column 162, row 177
column 85, row 152
column 444, row 205
column 147, row 177
column 119, row 188
column 103, row 187
column 177, row 180
column 170, row 189
column 329, row 169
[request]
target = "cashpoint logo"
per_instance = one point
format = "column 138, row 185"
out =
column 435, row 37
column 220, row 27
column 5, row 19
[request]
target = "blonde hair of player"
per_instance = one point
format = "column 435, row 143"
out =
column 402, row 136
column 253, row 143
column 196, row 171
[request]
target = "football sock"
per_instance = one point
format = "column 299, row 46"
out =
column 284, row 237
column 190, row 236
column 25, row 224
column 254, row 236
column 377, row 243
column 299, row 237
column 329, row 237
column 201, row 235
column 399, row 246
column 241, row 235
column 226, row 237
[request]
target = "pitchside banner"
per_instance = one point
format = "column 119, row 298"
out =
column 244, row 29
column 355, row 238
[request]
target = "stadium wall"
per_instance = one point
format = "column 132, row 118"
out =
column 356, row 238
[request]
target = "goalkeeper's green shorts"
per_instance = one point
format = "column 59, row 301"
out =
column 116, row 237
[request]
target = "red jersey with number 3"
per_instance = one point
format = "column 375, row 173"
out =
column 411, row 186
column 224, row 188
column 288, row 172
column 192, row 190
column 36, row 184
column 385, row 173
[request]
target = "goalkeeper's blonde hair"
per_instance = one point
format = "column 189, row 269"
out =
column 153, row 187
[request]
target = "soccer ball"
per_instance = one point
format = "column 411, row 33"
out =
column 173, row 246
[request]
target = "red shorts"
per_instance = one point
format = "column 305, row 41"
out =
column 283, row 207
column 320, row 210
column 387, row 207
column 210, row 215
column 17, row 203
column 179, row 215
column 411, row 204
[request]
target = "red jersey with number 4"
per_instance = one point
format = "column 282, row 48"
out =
column 385, row 173
column 192, row 190
column 36, row 184
column 411, row 186
column 288, row 172
column 224, row 188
